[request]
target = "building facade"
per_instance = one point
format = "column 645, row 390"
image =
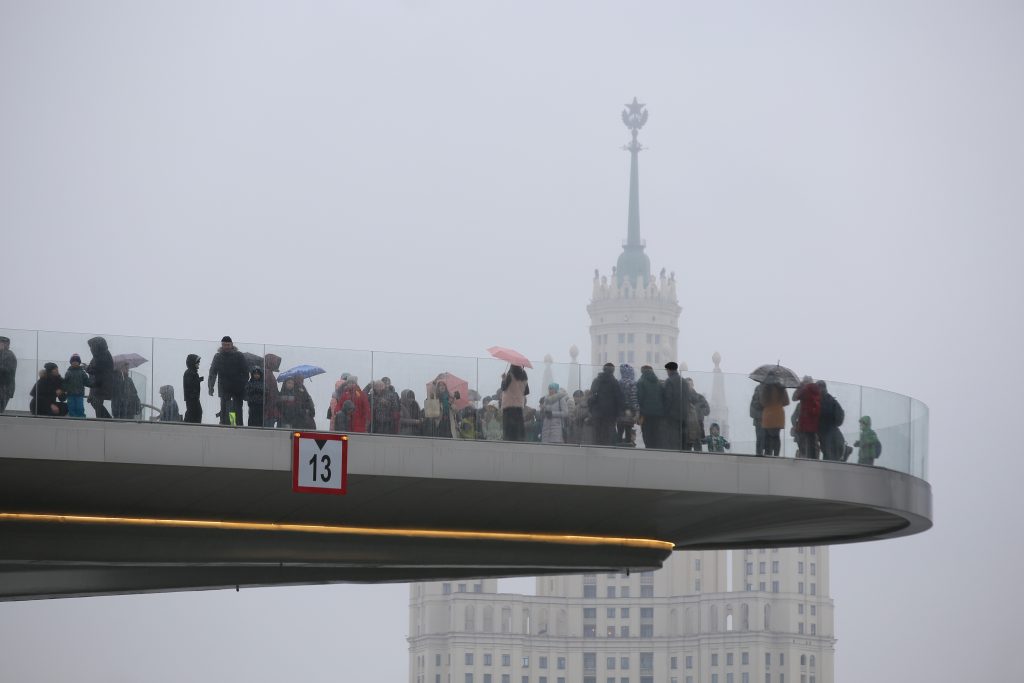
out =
column 739, row 616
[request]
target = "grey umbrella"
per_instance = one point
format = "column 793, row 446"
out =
column 784, row 375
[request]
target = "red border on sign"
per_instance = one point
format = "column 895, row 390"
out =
column 330, row 436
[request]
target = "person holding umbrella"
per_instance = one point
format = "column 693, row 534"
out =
column 514, row 390
column 773, row 400
column 229, row 365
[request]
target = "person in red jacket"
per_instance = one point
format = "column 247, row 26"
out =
column 359, row 420
column 808, row 394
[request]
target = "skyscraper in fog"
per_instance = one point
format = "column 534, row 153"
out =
column 740, row 616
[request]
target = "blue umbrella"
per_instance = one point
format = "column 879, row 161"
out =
column 303, row 371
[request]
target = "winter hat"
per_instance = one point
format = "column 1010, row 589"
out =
column 671, row 365
column 5, row 340
column 50, row 367
column 553, row 385
column 192, row 360
column 225, row 338
column 75, row 358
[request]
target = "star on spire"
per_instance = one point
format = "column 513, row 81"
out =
column 634, row 115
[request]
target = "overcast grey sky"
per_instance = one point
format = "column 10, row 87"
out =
column 839, row 185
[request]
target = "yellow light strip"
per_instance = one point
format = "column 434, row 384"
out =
column 340, row 530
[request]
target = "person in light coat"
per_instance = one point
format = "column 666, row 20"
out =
column 554, row 409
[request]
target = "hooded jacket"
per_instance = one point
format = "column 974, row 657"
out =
column 606, row 397
column 868, row 443
column 773, row 400
column 191, row 380
column 271, row 409
column 44, row 393
column 627, row 380
column 649, row 398
column 169, row 409
column 8, row 372
column 101, row 370
column 676, row 395
column 809, row 395
column 232, row 369
column 554, row 408
column 75, row 381
column 254, row 387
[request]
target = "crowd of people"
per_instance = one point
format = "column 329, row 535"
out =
column 670, row 412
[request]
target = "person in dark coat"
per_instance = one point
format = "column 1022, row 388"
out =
column 676, row 398
column 48, row 392
column 254, row 396
column 607, row 403
column 271, row 406
column 651, row 406
column 829, row 420
column 125, row 403
column 190, row 382
column 8, row 372
column 808, row 394
column 411, row 416
column 231, row 368
column 756, row 410
column 76, row 380
column 101, row 376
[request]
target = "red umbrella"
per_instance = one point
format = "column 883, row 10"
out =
column 510, row 355
column 454, row 384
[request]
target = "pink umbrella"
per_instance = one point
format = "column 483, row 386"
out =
column 510, row 355
column 454, row 384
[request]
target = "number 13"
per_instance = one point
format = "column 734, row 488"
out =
column 325, row 460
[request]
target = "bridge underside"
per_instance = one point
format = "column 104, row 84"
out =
column 92, row 508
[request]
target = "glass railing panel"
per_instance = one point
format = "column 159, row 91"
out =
column 169, row 367
column 849, row 398
column 889, row 416
column 304, row 400
column 121, row 382
column 18, row 368
column 919, row 439
column 437, row 396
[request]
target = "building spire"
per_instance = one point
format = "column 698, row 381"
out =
column 633, row 262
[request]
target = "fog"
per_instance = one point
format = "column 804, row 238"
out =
column 840, row 187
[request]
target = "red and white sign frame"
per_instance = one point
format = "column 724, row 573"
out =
column 297, row 438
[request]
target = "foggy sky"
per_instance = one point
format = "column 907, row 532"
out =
column 839, row 186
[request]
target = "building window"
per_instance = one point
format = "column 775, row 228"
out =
column 589, row 661
column 814, row 550
column 649, row 357
column 689, row 661
column 800, row 608
column 775, row 566
column 631, row 338
column 646, row 662
column 714, row 659
column 624, row 663
column 478, row 588
column 610, row 613
column 799, row 567
column 728, row 677
column 469, row 678
column 506, row 678
column 814, row 610
column 462, row 588
column 506, row 660
column 714, row 678
column 561, row 662
column 469, row 659
column 696, row 585
column 589, row 591
column 728, row 659
column 814, row 569
column 487, row 678
column 542, row 662
column 630, row 356
column 446, row 588
column 750, row 568
column 782, row 659
column 525, row 679
column 646, row 630
column 800, row 588
column 800, row 627
column 761, row 567
column 775, row 587
column 624, row 631
column 646, row 612
column 673, row 663
column 609, row 663
column 814, row 589
column 589, row 631
column 624, row 592
column 624, row 613
column 526, row 662
column 437, row 660
column 750, row 586
column 488, row 659
column 657, row 339
column 611, row 591
column 650, row 337
column 744, row 658
column 622, row 337
column 647, row 591
column 760, row 586
column 696, row 564
column 745, row 677
column 610, row 632
column 590, row 613
column 767, row 658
